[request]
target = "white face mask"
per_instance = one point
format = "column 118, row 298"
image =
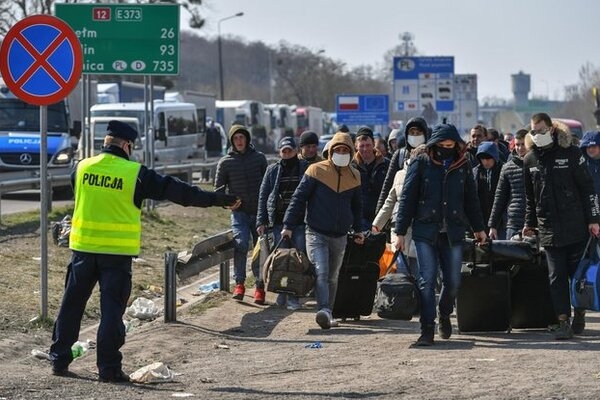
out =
column 341, row 160
column 542, row 140
column 414, row 141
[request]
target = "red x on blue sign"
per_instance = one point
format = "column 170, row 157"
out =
column 41, row 60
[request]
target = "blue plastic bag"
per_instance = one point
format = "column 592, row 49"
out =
column 585, row 285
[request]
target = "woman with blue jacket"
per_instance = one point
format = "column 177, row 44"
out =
column 439, row 200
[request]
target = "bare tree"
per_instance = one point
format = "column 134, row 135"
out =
column 12, row 11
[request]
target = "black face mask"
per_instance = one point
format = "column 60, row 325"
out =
column 444, row 153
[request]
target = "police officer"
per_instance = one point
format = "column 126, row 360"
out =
column 105, row 235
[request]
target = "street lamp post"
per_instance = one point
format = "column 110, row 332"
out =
column 222, row 89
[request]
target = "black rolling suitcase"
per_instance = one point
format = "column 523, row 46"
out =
column 531, row 302
column 357, row 282
column 483, row 300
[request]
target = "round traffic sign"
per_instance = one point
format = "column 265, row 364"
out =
column 41, row 59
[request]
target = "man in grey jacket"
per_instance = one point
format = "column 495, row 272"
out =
column 240, row 173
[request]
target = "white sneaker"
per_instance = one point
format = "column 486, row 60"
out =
column 323, row 318
column 334, row 323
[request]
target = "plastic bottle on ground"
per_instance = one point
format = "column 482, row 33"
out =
column 79, row 348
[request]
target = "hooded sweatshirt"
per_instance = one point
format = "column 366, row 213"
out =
column 592, row 139
column 328, row 197
column 241, row 173
column 486, row 180
column 438, row 198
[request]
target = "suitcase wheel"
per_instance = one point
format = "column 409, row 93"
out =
column 357, row 318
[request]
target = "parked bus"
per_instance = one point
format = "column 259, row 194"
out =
column 177, row 135
column 575, row 126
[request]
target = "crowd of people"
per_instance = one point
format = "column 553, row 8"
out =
column 424, row 184
column 430, row 189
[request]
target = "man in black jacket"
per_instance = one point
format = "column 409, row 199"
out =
column 562, row 205
column 240, row 172
column 510, row 193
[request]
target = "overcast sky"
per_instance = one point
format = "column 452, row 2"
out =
column 549, row 39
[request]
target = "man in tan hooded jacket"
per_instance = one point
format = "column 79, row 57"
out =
column 328, row 200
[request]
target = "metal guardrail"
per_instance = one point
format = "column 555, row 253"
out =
column 185, row 170
column 215, row 250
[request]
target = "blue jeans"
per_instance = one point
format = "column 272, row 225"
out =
column 430, row 258
column 327, row 254
column 244, row 228
column 298, row 242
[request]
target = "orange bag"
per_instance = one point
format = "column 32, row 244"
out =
column 385, row 260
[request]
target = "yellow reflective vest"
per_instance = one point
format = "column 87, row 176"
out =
column 106, row 220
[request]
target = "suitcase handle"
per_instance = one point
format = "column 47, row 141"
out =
column 287, row 239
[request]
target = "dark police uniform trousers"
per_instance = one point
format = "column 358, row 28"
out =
column 113, row 274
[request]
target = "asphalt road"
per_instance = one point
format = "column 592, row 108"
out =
column 27, row 200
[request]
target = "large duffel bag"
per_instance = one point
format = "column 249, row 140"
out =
column 288, row 271
column 502, row 253
column 397, row 294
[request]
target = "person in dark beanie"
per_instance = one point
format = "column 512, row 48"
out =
column 416, row 132
column 373, row 167
column 240, row 173
column 561, row 204
column 278, row 186
column 105, row 236
column 309, row 147
column 439, row 201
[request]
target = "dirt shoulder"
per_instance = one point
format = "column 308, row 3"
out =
column 265, row 351
column 244, row 351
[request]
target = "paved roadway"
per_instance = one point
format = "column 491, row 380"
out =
column 26, row 200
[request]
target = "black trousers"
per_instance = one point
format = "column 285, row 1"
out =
column 562, row 263
column 113, row 274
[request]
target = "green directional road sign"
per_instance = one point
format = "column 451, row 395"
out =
column 117, row 39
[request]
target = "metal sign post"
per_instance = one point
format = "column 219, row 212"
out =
column 44, row 211
column 40, row 62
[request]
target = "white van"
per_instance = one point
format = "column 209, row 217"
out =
column 176, row 131
column 98, row 127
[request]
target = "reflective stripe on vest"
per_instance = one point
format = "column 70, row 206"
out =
column 105, row 220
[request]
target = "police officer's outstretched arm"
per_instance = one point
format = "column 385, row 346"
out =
column 152, row 185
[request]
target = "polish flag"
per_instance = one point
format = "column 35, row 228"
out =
column 348, row 103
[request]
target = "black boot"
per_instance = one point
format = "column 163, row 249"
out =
column 578, row 324
column 445, row 327
column 426, row 338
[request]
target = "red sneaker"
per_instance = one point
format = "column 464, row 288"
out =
column 259, row 296
column 238, row 292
